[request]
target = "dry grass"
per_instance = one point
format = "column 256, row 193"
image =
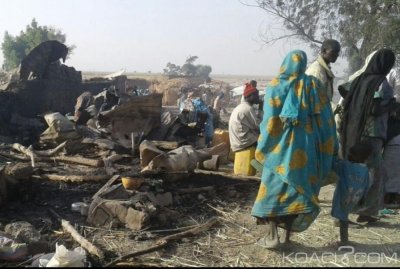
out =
column 232, row 242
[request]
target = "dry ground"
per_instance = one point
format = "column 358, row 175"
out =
column 230, row 243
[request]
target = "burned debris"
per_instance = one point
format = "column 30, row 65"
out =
column 112, row 135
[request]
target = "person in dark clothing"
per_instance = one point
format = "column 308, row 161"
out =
column 110, row 101
column 366, row 109
column 186, row 128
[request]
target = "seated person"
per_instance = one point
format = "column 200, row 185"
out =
column 187, row 127
column 110, row 101
column 194, row 123
column 244, row 123
column 82, row 113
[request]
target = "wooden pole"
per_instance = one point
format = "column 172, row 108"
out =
column 74, row 178
column 92, row 249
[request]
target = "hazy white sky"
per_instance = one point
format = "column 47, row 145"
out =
column 143, row 35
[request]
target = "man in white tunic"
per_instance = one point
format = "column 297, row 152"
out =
column 321, row 69
column 244, row 123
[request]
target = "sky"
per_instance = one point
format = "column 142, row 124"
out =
column 144, row 35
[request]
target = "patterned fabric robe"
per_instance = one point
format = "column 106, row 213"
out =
column 297, row 144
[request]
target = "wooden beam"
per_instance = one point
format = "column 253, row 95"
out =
column 73, row 178
column 92, row 249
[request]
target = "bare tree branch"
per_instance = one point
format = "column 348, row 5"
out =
column 360, row 26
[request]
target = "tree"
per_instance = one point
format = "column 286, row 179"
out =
column 203, row 71
column 15, row 48
column 189, row 69
column 191, row 59
column 172, row 69
column 361, row 26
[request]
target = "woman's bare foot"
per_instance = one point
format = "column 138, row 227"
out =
column 285, row 239
column 270, row 241
column 288, row 220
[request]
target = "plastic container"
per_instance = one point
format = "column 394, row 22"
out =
column 242, row 165
column 131, row 183
column 220, row 136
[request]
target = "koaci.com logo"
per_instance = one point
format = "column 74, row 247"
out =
column 349, row 256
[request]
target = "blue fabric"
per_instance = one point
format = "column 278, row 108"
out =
column 199, row 107
column 202, row 107
column 297, row 144
column 350, row 189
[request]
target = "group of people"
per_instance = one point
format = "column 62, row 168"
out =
column 197, row 116
column 305, row 141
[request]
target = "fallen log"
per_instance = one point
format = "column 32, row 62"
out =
column 165, row 240
column 27, row 151
column 81, row 240
column 75, row 159
column 21, row 148
column 67, row 159
column 44, row 153
column 73, row 178
column 14, row 156
column 51, row 152
column 92, row 249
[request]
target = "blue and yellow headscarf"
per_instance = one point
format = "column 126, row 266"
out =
column 297, row 140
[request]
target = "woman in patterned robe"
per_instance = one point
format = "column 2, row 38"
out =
column 297, row 146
